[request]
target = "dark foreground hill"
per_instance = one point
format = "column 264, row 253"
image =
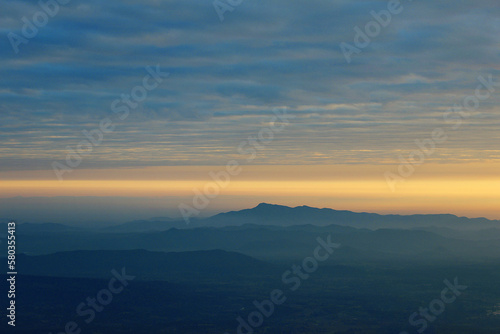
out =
column 145, row 265
column 372, row 299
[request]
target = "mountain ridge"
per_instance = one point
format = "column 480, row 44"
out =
column 281, row 215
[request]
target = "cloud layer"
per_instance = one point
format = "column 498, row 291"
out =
column 226, row 77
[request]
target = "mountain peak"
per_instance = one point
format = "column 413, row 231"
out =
column 265, row 205
column 268, row 206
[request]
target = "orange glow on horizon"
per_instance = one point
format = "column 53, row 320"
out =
column 440, row 189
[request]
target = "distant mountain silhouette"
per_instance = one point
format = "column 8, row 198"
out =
column 275, row 232
column 270, row 214
column 279, row 215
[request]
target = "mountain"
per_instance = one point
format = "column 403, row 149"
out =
column 269, row 214
column 145, row 265
column 279, row 215
column 276, row 243
column 279, row 233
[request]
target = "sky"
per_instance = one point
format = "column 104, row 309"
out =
column 396, row 126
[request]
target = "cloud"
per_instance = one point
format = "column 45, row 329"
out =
column 227, row 76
